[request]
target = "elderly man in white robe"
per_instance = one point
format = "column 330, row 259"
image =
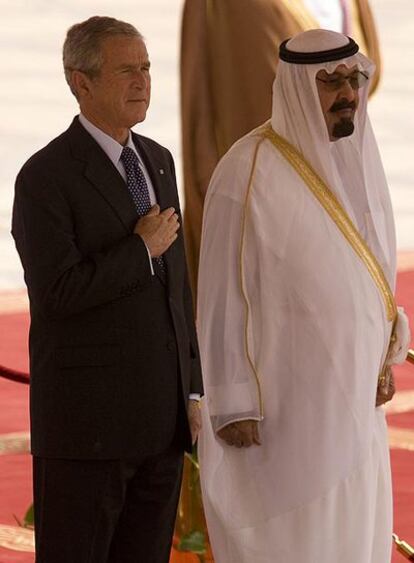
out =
column 298, row 325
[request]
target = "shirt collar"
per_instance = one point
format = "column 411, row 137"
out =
column 112, row 148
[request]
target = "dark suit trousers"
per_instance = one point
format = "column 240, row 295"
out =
column 116, row 511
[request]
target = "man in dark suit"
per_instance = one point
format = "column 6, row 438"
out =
column 114, row 361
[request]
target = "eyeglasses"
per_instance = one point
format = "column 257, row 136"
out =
column 356, row 80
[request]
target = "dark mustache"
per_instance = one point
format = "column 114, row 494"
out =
column 344, row 104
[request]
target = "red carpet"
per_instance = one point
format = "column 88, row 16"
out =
column 15, row 469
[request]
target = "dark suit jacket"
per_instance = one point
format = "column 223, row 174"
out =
column 111, row 347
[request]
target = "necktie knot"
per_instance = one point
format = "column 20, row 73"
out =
column 129, row 158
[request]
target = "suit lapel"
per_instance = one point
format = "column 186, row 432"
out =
column 103, row 175
column 107, row 180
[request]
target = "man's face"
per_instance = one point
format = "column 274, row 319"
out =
column 119, row 96
column 339, row 98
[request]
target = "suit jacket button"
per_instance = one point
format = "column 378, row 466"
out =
column 97, row 446
column 171, row 346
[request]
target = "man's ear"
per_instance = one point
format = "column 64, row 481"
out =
column 81, row 84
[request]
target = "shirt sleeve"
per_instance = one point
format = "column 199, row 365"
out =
column 150, row 259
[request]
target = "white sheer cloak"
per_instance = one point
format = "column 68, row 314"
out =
column 318, row 335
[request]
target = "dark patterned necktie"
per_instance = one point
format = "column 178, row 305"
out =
column 138, row 188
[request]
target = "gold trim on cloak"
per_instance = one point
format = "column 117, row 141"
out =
column 337, row 213
column 242, row 282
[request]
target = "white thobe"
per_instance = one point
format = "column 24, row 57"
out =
column 318, row 489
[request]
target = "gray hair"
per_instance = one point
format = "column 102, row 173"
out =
column 82, row 46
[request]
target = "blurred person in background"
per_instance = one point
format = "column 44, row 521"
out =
column 114, row 363
column 228, row 64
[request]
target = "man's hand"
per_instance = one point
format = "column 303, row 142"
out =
column 242, row 434
column 158, row 229
column 194, row 419
column 385, row 395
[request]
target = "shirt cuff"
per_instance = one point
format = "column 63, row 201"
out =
column 195, row 397
column 150, row 259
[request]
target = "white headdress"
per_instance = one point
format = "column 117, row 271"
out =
column 350, row 166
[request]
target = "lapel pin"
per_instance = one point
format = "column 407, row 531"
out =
column 161, row 170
